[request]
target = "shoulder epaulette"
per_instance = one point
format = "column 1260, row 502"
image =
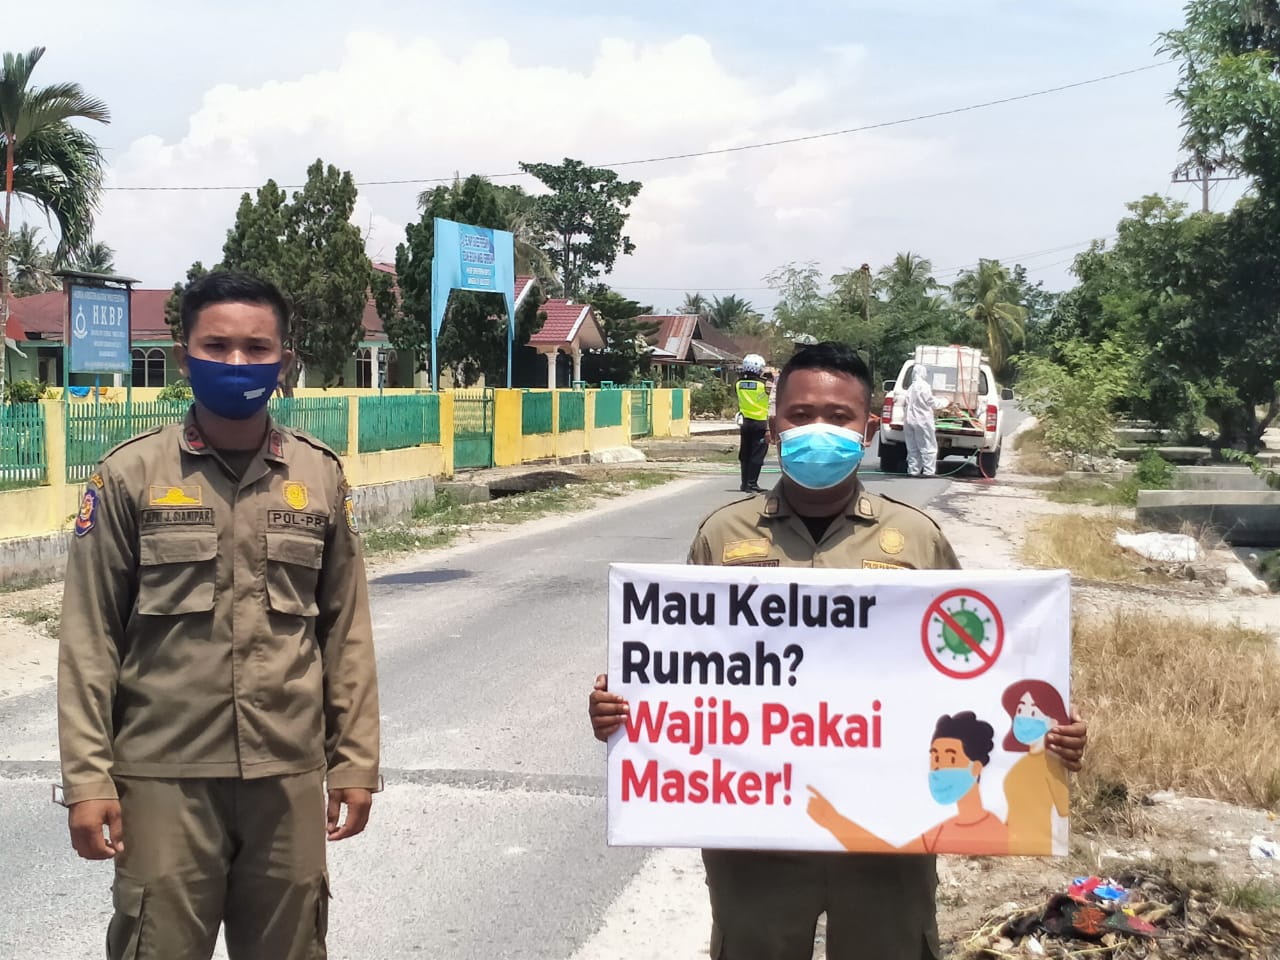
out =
column 723, row 507
column 909, row 506
column 134, row 439
column 310, row 441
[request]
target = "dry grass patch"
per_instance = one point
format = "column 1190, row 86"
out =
column 1033, row 457
column 1176, row 704
column 1086, row 546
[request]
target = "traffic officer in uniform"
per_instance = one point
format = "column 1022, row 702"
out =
column 216, row 671
column 765, row 904
column 753, row 432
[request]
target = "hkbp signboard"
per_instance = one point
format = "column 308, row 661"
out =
column 99, row 334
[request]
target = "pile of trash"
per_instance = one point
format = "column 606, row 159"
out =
column 1134, row 916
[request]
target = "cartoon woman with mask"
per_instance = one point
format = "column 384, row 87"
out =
column 1036, row 785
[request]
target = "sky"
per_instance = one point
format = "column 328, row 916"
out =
column 416, row 89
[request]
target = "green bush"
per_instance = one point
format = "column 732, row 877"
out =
column 23, row 391
column 1154, row 472
column 712, row 397
column 177, row 391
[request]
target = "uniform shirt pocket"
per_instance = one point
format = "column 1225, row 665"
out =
column 176, row 572
column 293, row 569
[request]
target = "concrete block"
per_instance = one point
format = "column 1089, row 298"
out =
column 1242, row 517
column 1189, row 455
column 1187, row 478
column 617, row 455
column 380, row 503
column 25, row 559
column 465, row 491
column 687, row 449
column 532, row 480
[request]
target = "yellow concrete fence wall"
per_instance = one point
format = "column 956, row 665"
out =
column 49, row 508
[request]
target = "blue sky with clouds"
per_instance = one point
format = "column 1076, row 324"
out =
column 394, row 89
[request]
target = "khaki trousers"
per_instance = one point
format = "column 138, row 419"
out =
column 765, row 905
column 200, row 853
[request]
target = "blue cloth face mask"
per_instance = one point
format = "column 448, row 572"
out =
column 1027, row 730
column 235, row 391
column 950, row 784
column 819, row 456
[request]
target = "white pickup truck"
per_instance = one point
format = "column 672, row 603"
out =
column 972, row 422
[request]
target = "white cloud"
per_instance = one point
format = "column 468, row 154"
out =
column 393, row 107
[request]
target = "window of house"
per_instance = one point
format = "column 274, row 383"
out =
column 364, row 368
column 148, row 367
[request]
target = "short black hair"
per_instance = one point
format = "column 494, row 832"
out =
column 977, row 736
column 232, row 286
column 828, row 355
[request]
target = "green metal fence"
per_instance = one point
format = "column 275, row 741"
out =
column 677, row 404
column 93, row 428
column 535, row 413
column 609, row 408
column 573, row 411
column 23, row 462
column 394, row 423
column 641, row 412
column 325, row 418
column 472, row 428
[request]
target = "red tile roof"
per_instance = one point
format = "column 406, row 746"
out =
column 564, row 319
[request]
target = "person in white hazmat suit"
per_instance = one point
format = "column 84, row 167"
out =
column 919, row 414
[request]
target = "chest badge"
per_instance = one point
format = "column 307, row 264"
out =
column 295, row 495
column 165, row 496
column 892, row 541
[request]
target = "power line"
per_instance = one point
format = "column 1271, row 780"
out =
column 703, row 153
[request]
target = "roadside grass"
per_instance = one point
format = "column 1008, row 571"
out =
column 1086, row 547
column 1096, row 492
column 29, row 582
column 1033, row 458
column 1174, row 703
column 51, row 620
column 439, row 522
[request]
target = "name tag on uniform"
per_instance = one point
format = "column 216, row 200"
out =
column 885, row 565
column 738, row 551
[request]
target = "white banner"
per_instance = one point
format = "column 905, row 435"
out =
column 868, row 710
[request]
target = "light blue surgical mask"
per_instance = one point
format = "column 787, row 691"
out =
column 819, row 456
column 1028, row 730
column 950, row 784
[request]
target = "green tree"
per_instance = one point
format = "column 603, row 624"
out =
column 989, row 296
column 173, row 306
column 583, row 215
column 46, row 160
column 473, row 339
column 730, row 313
column 94, row 257
column 310, row 249
column 626, row 357
column 30, row 264
column 694, row 304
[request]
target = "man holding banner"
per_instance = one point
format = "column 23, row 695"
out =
column 765, row 902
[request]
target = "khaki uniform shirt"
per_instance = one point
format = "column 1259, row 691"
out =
column 215, row 627
column 874, row 532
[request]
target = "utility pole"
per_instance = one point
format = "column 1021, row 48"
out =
column 1200, row 172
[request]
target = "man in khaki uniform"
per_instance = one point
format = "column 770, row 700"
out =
column 216, row 668
column 765, row 904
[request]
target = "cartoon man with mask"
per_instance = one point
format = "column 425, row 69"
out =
column 959, row 751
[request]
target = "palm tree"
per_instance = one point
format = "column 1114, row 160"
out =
column 46, row 160
column 989, row 296
column 96, row 257
column 729, row 312
column 30, row 264
column 910, row 274
column 694, row 303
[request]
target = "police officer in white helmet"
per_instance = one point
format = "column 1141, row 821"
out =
column 753, row 433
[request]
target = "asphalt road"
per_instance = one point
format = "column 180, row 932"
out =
column 489, row 839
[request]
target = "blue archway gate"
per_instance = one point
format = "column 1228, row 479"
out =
column 471, row 258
